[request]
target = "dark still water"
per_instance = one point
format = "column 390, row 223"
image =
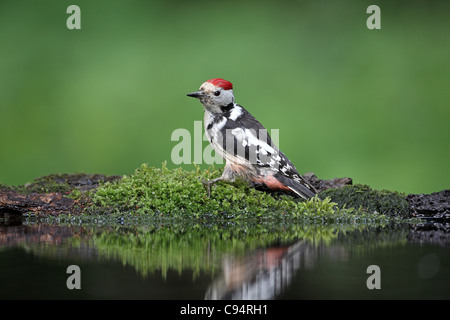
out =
column 234, row 260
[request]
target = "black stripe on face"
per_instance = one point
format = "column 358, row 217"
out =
column 227, row 108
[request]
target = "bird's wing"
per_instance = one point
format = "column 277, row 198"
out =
column 251, row 145
column 256, row 146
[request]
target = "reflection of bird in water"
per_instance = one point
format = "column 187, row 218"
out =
column 264, row 274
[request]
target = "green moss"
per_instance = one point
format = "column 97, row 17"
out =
column 47, row 184
column 4, row 187
column 161, row 192
column 73, row 184
column 363, row 197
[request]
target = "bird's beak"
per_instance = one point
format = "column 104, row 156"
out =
column 197, row 94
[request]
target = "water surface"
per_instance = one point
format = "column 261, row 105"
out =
column 230, row 260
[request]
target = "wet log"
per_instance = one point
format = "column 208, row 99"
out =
column 46, row 203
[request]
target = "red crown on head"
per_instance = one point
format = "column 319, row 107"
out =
column 219, row 82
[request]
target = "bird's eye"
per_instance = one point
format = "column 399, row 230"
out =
column 217, row 93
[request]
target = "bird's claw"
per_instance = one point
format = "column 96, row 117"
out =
column 207, row 185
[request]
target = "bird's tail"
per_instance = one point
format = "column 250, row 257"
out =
column 299, row 187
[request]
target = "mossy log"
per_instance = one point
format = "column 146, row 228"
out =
column 53, row 195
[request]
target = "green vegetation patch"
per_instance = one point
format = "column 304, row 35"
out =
column 161, row 192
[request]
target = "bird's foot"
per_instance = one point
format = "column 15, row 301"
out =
column 208, row 184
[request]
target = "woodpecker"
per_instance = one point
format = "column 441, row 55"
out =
column 245, row 144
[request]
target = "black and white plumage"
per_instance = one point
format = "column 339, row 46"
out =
column 245, row 144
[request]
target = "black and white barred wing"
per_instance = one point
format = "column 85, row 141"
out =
column 253, row 146
column 248, row 141
column 260, row 152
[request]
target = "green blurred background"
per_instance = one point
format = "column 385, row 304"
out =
column 373, row 105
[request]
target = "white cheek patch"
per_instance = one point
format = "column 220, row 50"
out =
column 225, row 98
